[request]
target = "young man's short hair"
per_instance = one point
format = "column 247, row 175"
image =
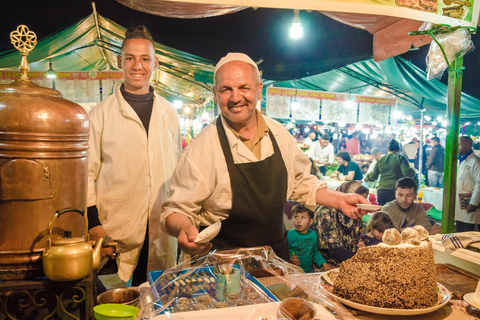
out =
column 326, row 136
column 140, row 32
column 300, row 208
column 436, row 139
column 344, row 155
column 406, row 183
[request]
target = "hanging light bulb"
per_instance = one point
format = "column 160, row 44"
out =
column 427, row 118
column 295, row 104
column 397, row 114
column 296, row 30
column 51, row 74
column 409, row 117
column 178, row 104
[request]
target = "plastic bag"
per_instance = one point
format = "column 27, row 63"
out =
column 455, row 44
column 232, row 284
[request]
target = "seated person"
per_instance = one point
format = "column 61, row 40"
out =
column 302, row 241
column 349, row 169
column 365, row 168
column 314, row 170
column 404, row 212
column 322, row 152
column 377, row 225
column 337, row 234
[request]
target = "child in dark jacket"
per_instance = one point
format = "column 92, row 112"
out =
column 377, row 225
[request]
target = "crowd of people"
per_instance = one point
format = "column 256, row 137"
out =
column 149, row 196
column 338, row 237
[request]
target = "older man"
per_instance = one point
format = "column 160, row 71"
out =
column 467, row 211
column 240, row 170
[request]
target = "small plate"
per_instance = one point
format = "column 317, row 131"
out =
column 468, row 297
column 209, row 233
column 369, row 207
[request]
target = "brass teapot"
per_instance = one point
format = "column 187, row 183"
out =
column 70, row 258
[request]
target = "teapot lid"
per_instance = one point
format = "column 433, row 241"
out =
column 68, row 239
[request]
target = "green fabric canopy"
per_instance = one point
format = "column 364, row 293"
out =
column 391, row 77
column 93, row 45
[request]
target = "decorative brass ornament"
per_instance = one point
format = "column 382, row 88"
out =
column 24, row 41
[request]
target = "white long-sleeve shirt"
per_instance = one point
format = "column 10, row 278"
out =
column 319, row 153
column 129, row 176
column 468, row 180
column 201, row 183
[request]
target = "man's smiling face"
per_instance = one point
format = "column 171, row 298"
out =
column 138, row 62
column 237, row 90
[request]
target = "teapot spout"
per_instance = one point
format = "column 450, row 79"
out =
column 97, row 253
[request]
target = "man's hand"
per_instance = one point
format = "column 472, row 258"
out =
column 98, row 233
column 471, row 208
column 180, row 226
column 186, row 239
column 345, row 202
column 348, row 205
column 435, row 229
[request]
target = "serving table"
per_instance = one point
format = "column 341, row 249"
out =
column 433, row 196
column 454, row 310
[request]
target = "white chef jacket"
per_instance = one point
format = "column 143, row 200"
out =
column 468, row 180
column 201, row 182
column 129, row 177
column 320, row 153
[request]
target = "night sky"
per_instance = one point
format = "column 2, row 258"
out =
column 261, row 33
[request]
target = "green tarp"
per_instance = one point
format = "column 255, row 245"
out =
column 93, row 45
column 393, row 76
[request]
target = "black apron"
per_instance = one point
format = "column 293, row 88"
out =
column 259, row 191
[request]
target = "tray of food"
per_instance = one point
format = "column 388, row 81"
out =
column 205, row 287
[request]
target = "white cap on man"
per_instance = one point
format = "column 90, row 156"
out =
column 234, row 56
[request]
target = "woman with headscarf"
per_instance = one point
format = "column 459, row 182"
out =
column 336, row 233
column 390, row 168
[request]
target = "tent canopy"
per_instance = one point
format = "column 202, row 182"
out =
column 93, row 45
column 391, row 77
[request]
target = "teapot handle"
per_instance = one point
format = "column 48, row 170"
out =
column 58, row 214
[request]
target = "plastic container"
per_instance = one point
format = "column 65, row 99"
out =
column 115, row 311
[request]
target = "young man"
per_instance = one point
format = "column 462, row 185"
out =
column 322, row 152
column 467, row 214
column 134, row 147
column 404, row 212
column 302, row 241
column 435, row 164
column 252, row 167
column 350, row 170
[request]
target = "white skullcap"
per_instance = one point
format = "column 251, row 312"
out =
column 234, row 56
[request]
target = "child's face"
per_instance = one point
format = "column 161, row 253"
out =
column 302, row 221
column 377, row 234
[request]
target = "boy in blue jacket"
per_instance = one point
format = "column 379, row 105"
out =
column 302, row 241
